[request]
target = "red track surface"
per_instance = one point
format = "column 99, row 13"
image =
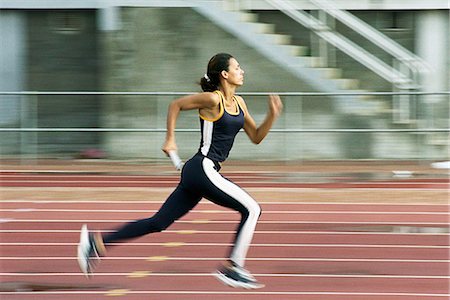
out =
column 311, row 251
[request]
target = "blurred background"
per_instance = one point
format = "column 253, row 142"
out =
column 360, row 79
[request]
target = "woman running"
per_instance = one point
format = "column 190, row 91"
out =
column 222, row 115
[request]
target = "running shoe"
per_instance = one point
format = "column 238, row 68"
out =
column 237, row 277
column 88, row 251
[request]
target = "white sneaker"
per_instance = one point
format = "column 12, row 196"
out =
column 237, row 277
column 86, row 251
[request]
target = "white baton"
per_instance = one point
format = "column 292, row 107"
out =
column 176, row 160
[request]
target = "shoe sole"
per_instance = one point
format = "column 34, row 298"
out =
column 236, row 284
column 84, row 241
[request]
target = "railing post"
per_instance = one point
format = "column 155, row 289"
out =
column 401, row 103
column 323, row 46
column 22, row 107
column 23, row 124
column 28, row 119
column 300, row 121
column 34, row 124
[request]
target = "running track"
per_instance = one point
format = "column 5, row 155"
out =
column 301, row 250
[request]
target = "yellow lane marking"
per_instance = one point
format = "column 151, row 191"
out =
column 139, row 274
column 173, row 244
column 117, row 292
column 157, row 258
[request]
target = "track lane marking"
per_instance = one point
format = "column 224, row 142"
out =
column 233, row 232
column 32, row 210
column 229, row 222
column 228, row 292
column 205, row 202
column 166, row 258
column 57, row 274
column 178, row 244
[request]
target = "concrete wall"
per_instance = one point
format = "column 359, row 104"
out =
column 168, row 50
column 157, row 49
column 63, row 55
column 12, row 73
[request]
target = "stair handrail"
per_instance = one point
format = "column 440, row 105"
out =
column 414, row 62
column 230, row 21
column 371, row 34
column 347, row 46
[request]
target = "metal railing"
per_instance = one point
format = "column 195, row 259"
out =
column 403, row 55
column 403, row 80
column 29, row 129
column 28, row 95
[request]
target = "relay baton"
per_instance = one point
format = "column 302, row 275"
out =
column 176, row 160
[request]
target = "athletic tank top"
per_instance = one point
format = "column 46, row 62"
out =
column 218, row 134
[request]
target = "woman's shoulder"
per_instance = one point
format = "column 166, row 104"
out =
column 212, row 98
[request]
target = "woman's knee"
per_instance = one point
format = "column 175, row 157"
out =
column 253, row 210
column 257, row 210
column 157, row 225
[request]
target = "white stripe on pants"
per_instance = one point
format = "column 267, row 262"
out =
column 244, row 237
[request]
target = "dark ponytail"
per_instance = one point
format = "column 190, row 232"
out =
column 218, row 63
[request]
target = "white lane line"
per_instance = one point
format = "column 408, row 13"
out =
column 253, row 245
column 6, row 220
column 118, row 182
column 169, row 171
column 238, row 175
column 217, row 211
column 19, row 210
column 231, row 222
column 63, row 201
column 25, row 177
column 228, row 292
column 282, row 189
column 57, row 274
column 301, row 259
column 437, row 233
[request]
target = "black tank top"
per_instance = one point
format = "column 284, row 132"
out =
column 218, row 134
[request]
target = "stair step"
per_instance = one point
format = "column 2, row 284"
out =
column 279, row 48
column 316, row 62
column 330, row 73
column 262, row 27
column 311, row 61
column 347, row 84
column 280, row 39
column 294, row 50
column 248, row 17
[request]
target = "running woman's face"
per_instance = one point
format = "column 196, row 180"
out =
column 234, row 75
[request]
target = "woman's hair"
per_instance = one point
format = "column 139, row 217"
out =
column 218, row 63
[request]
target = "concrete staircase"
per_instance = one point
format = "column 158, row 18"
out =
column 293, row 58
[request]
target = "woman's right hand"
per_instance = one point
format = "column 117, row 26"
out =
column 169, row 145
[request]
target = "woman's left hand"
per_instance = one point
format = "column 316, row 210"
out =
column 275, row 105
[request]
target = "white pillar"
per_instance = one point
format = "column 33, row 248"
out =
column 432, row 44
column 109, row 18
column 12, row 63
